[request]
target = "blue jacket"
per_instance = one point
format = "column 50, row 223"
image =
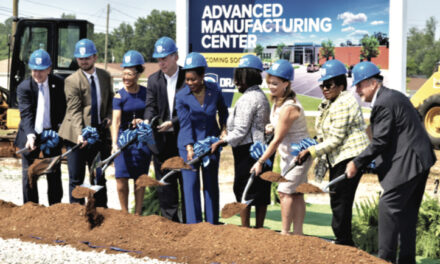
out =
column 198, row 122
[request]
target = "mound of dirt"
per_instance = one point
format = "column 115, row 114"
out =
column 157, row 237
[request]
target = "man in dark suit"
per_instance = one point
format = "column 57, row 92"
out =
column 42, row 105
column 161, row 90
column 89, row 95
column 403, row 154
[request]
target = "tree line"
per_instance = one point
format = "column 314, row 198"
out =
column 423, row 50
column 140, row 37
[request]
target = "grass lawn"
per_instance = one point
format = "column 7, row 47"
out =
column 317, row 223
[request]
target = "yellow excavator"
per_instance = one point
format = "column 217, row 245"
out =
column 427, row 101
column 58, row 38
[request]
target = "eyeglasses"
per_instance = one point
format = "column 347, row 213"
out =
column 129, row 75
column 327, row 85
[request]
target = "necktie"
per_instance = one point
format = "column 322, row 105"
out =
column 40, row 110
column 94, row 103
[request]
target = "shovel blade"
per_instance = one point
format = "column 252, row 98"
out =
column 96, row 162
column 85, row 190
column 308, row 188
column 271, row 176
column 175, row 163
column 145, row 181
column 231, row 209
column 52, row 164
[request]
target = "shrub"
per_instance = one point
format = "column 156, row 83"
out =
column 428, row 228
column 365, row 225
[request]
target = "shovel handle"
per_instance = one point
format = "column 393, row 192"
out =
column 335, row 180
column 23, row 150
column 204, row 154
column 248, row 186
column 70, row 150
column 166, row 176
column 291, row 167
column 113, row 156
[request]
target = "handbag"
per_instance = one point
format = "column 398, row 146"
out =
column 321, row 168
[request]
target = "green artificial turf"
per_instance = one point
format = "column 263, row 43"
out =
column 316, row 223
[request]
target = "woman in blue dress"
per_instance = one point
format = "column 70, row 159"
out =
column 128, row 110
column 197, row 105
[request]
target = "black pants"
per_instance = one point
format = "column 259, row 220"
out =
column 54, row 185
column 259, row 191
column 398, row 213
column 341, row 201
column 169, row 194
column 77, row 161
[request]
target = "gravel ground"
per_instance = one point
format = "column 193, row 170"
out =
column 16, row 251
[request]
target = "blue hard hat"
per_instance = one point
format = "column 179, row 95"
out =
column 250, row 61
column 282, row 69
column 39, row 60
column 364, row 70
column 331, row 69
column 84, row 48
column 132, row 58
column 194, row 60
column 164, row 47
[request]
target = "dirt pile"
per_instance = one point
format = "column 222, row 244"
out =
column 157, row 237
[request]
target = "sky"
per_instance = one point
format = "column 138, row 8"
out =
column 94, row 11
column 129, row 10
column 350, row 20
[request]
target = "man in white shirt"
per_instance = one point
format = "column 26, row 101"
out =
column 42, row 106
column 161, row 92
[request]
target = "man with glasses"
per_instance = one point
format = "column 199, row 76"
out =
column 161, row 90
column 403, row 154
column 89, row 95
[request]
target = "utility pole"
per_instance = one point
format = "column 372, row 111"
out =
column 14, row 14
column 106, row 37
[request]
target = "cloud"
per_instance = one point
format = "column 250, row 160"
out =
column 313, row 36
column 358, row 33
column 347, row 29
column 377, row 22
column 350, row 18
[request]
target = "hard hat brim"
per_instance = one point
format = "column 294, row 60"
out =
column 83, row 55
column 39, row 68
column 162, row 55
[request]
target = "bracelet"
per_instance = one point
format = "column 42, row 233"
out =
column 261, row 161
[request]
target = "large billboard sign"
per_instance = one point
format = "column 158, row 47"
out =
column 296, row 30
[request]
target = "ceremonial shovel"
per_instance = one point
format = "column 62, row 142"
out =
column 175, row 164
column 97, row 170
